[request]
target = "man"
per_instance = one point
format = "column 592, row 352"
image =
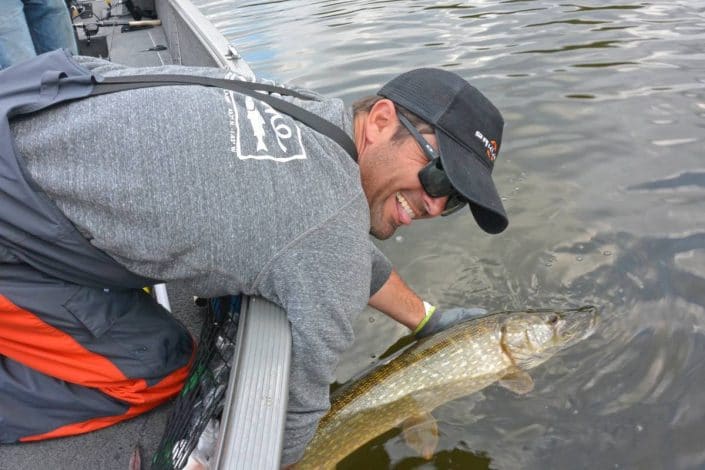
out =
column 216, row 192
column 31, row 27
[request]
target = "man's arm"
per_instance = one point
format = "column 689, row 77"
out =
column 396, row 300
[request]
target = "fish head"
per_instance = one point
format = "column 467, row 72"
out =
column 532, row 337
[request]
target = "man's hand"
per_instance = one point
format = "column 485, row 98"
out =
column 439, row 320
column 396, row 300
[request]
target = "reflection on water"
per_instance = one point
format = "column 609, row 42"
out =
column 689, row 178
column 603, row 177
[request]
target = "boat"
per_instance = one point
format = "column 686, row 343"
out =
column 152, row 33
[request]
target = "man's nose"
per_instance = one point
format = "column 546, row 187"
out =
column 434, row 205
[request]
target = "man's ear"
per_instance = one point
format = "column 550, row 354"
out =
column 381, row 121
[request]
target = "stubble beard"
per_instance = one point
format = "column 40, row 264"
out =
column 379, row 227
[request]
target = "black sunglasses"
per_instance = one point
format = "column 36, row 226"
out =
column 433, row 178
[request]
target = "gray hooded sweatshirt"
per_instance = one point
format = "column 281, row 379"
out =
column 218, row 193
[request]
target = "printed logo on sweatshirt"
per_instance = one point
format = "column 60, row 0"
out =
column 258, row 131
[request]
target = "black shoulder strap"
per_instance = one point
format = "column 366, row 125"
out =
column 253, row 89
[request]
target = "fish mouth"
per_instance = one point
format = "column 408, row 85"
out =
column 578, row 324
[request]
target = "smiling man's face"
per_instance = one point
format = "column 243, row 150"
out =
column 389, row 170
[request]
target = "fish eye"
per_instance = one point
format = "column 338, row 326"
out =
column 553, row 319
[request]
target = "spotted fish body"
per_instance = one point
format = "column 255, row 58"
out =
column 454, row 363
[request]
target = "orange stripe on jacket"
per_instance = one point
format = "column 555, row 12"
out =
column 171, row 384
column 25, row 338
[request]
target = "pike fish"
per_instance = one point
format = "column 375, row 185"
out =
column 459, row 361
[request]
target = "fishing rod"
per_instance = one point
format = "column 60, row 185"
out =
column 91, row 28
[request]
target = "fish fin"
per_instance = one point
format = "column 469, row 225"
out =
column 421, row 434
column 518, row 381
column 136, row 459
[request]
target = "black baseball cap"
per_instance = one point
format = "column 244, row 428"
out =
column 469, row 132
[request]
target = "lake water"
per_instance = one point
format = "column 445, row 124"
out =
column 602, row 171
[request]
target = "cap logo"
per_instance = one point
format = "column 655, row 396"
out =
column 490, row 146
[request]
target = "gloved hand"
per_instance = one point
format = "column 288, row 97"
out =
column 439, row 320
